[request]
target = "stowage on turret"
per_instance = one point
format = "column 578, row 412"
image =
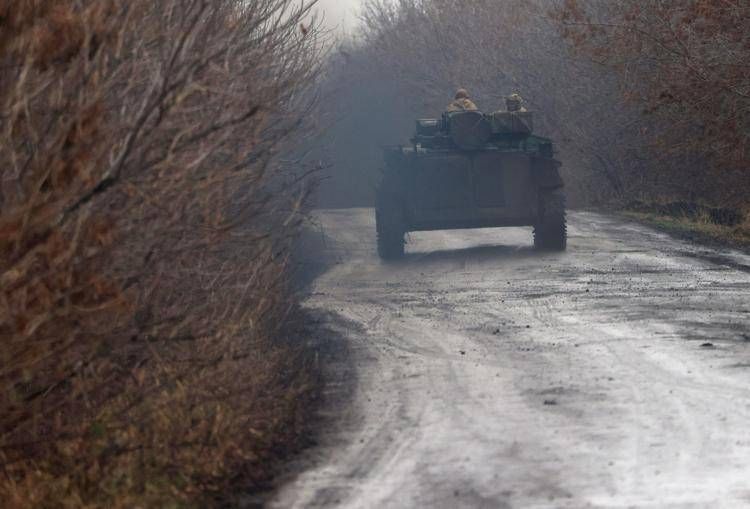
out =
column 470, row 169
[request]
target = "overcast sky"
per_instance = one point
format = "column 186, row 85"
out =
column 340, row 14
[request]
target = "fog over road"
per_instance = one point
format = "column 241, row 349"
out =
column 488, row 375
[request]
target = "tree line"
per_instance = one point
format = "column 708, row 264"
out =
column 646, row 100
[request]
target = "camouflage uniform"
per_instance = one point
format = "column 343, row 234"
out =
column 514, row 103
column 461, row 102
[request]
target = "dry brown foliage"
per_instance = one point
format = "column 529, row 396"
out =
column 145, row 235
column 683, row 64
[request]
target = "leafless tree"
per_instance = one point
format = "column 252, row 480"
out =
column 683, row 64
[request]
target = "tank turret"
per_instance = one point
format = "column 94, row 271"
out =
column 473, row 130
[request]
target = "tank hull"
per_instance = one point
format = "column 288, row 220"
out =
column 440, row 190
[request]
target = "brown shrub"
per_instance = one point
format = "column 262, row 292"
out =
column 683, row 66
column 144, row 244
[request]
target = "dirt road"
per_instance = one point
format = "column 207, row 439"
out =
column 487, row 375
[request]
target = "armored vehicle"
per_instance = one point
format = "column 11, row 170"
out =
column 471, row 170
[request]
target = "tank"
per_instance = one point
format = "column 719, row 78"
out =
column 471, row 170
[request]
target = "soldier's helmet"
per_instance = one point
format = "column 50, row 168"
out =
column 514, row 102
column 461, row 93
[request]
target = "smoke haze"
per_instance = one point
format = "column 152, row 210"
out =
column 340, row 15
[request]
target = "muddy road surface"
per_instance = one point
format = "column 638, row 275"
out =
column 485, row 374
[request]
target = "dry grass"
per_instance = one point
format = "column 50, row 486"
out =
column 701, row 228
column 144, row 246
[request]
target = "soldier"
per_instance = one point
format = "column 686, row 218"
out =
column 514, row 103
column 461, row 102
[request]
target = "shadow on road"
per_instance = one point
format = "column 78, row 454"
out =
column 311, row 258
column 480, row 253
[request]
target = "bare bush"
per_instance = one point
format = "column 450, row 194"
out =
column 145, row 241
